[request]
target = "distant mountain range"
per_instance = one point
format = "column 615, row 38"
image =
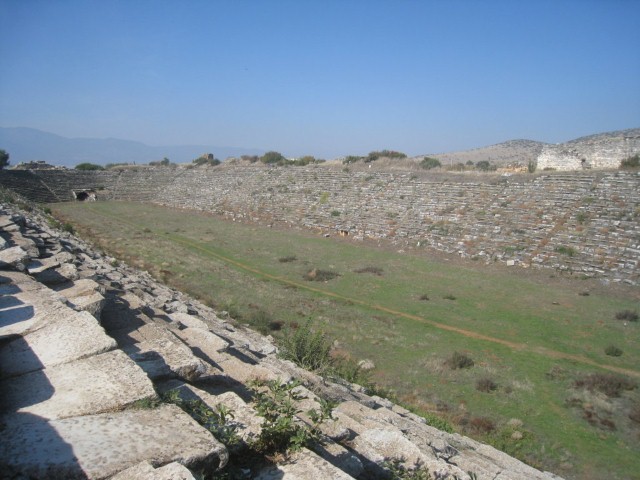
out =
column 27, row 144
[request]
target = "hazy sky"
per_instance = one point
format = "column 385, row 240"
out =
column 323, row 77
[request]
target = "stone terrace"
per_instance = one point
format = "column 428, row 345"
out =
column 581, row 223
column 85, row 345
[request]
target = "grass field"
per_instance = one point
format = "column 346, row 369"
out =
column 534, row 339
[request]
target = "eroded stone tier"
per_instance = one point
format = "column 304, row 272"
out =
column 582, row 223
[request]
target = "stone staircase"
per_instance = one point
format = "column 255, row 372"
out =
column 88, row 348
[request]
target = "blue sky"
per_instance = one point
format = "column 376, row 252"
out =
column 326, row 78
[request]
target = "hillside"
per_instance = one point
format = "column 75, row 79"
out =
column 28, row 144
column 513, row 151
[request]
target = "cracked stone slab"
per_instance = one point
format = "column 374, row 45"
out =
column 13, row 257
column 304, row 465
column 98, row 446
column 105, row 382
column 146, row 471
column 83, row 295
column 63, row 339
column 163, row 358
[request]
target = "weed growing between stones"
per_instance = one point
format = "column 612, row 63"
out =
column 306, row 348
column 397, row 470
column 281, row 430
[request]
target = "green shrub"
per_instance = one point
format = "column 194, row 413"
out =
column 307, row 348
column 373, row 156
column 397, row 470
column 608, row 383
column 568, row 251
column 486, row 385
column 631, row 162
column 315, row 275
column 458, row 361
column 531, row 166
column 47, row 210
column 290, row 258
column 613, row 351
column 88, row 166
column 629, row 315
column 280, row 431
column 428, row 163
column 67, row 227
column 335, row 213
column 273, row 158
column 374, row 270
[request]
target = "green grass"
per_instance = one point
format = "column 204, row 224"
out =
column 517, row 326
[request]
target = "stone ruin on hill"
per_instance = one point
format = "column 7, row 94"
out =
column 87, row 346
column 582, row 224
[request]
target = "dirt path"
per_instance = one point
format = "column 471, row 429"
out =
column 539, row 350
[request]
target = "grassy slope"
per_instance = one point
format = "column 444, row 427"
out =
column 382, row 318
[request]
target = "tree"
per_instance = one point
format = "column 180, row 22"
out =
column 428, row 163
column 4, row 159
column 272, row 158
column 89, row 166
column 483, row 165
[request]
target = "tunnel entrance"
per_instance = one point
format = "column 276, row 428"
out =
column 85, row 195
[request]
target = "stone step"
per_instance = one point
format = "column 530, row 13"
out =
column 99, row 446
column 84, row 294
column 146, row 471
column 303, row 465
column 66, row 336
column 105, row 382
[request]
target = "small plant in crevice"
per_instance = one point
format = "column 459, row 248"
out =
column 282, row 431
column 396, row 469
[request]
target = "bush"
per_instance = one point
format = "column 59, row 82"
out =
column 613, row 351
column 206, row 159
column 428, row 163
column 88, row 166
column 631, row 162
column 374, row 270
column 486, row 385
column 634, row 413
column 459, row 360
column 290, row 258
column 67, row 227
column 306, row 348
column 373, row 156
column 449, row 297
column 316, row 275
column 335, row 213
column 273, row 158
column 482, row 425
column 569, row 251
column 4, row 159
column 608, row 383
column 531, row 166
column 629, row 315
column 485, row 166
column 264, row 322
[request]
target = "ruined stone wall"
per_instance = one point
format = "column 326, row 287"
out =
column 603, row 151
column 583, row 223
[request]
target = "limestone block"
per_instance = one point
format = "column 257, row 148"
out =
column 304, row 465
column 188, row 320
column 206, row 344
column 40, row 265
column 163, row 358
column 83, row 295
column 105, row 382
column 145, row 471
column 13, row 258
column 98, row 446
column 63, row 339
column 55, row 276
